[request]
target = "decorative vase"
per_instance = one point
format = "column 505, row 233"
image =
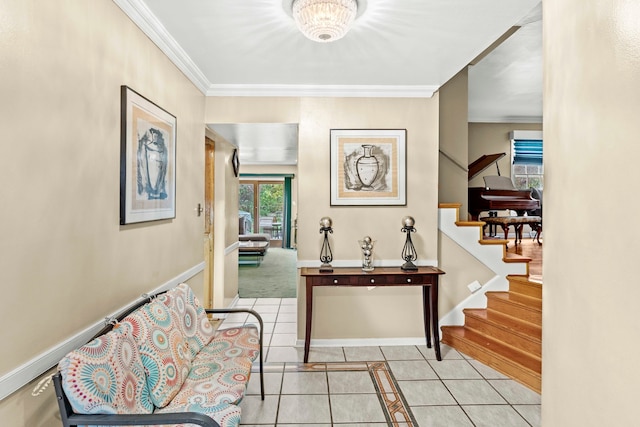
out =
column 367, row 167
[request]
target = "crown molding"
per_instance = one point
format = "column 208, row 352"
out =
column 505, row 119
column 335, row 91
column 140, row 14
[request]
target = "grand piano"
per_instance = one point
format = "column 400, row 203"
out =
column 491, row 199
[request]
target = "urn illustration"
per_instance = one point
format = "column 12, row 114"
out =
column 367, row 166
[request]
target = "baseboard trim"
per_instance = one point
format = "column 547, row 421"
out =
column 24, row 374
column 364, row 342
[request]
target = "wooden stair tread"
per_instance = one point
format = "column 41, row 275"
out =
column 511, row 257
column 519, row 366
column 469, row 223
column 523, row 279
column 529, row 330
column 523, row 301
column 493, row 241
column 524, row 360
column 449, row 205
column 523, row 285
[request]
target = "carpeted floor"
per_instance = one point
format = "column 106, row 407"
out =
column 276, row 277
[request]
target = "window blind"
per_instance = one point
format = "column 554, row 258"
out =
column 527, row 151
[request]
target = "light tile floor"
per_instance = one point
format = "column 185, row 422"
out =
column 337, row 388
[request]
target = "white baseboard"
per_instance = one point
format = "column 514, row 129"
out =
column 22, row 375
column 364, row 342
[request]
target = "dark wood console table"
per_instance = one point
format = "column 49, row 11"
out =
column 427, row 277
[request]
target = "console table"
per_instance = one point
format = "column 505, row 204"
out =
column 426, row 277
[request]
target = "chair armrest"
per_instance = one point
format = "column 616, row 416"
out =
column 257, row 316
column 238, row 310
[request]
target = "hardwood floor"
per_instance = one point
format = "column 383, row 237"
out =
column 531, row 249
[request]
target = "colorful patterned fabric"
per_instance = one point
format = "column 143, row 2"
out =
column 106, row 376
column 215, row 382
column 236, row 342
column 224, row 414
column 163, row 349
column 193, row 320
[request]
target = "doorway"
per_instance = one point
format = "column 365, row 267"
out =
column 265, row 205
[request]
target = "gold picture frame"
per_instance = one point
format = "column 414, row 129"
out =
column 368, row 167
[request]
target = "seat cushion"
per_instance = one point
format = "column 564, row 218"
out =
column 220, row 372
column 236, row 342
column 106, row 376
column 215, row 381
column 224, row 414
column 192, row 318
column 164, row 351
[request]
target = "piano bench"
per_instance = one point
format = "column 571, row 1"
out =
column 517, row 222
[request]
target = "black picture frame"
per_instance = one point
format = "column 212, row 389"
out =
column 147, row 160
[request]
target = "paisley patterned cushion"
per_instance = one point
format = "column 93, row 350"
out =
column 163, row 349
column 224, row 414
column 106, row 376
column 193, row 320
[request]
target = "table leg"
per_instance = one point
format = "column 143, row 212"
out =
column 307, row 335
column 434, row 322
column 426, row 312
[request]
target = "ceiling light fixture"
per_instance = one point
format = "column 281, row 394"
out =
column 324, row 20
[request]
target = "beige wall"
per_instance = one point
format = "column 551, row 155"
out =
column 65, row 261
column 462, row 268
column 316, row 116
column 452, row 180
column 590, row 349
column 492, row 138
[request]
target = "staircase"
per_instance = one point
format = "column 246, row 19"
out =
column 507, row 335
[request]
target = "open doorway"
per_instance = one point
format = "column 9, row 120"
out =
column 265, row 205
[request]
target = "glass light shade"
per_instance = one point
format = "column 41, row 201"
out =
column 324, row 20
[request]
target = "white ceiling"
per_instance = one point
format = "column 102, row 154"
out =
column 399, row 48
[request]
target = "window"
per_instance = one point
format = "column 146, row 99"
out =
column 527, row 167
column 265, row 206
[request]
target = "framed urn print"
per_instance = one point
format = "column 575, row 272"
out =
column 368, row 167
column 147, row 160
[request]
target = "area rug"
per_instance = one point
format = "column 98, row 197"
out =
column 275, row 277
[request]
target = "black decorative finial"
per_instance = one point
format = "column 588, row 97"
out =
column 409, row 251
column 326, row 256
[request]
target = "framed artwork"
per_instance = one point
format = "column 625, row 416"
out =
column 147, row 160
column 368, row 167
